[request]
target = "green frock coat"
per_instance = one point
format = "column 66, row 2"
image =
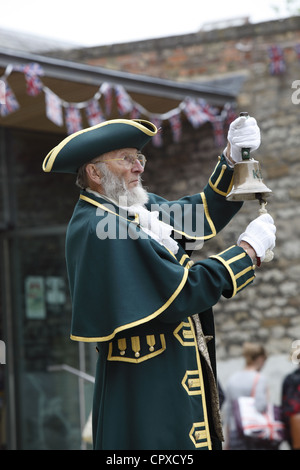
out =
column 150, row 313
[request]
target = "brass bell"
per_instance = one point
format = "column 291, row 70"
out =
column 247, row 182
column 247, row 179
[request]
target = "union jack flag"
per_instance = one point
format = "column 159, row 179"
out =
column 175, row 123
column 191, row 110
column 53, row 107
column 229, row 113
column 34, row 84
column 32, row 72
column 106, row 89
column 94, row 113
column 124, row 102
column 218, row 131
column 198, row 112
column 2, row 91
column 277, row 64
column 206, row 112
column 9, row 104
column 73, row 119
column 157, row 138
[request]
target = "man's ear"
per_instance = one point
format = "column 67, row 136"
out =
column 92, row 173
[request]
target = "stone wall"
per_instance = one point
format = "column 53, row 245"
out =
column 268, row 311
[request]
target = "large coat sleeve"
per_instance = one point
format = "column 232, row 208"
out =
column 199, row 217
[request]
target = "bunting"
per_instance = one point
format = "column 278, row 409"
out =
column 193, row 112
column 277, row 64
column 124, row 101
column 10, row 103
column 32, row 73
column 157, row 138
column 2, row 92
column 218, row 128
column 53, row 108
column 58, row 111
column 176, row 127
column 73, row 119
column 197, row 111
column 94, row 113
column 107, row 91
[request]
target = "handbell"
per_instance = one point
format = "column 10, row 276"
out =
column 247, row 179
column 248, row 182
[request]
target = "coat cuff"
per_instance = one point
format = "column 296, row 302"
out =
column 221, row 180
column 239, row 266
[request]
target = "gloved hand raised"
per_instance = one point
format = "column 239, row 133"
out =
column 243, row 133
column 260, row 234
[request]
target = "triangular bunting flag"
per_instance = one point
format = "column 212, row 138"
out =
column 53, row 107
column 73, row 119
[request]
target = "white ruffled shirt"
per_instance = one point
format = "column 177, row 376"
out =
column 149, row 223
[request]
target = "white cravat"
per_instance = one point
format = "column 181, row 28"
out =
column 149, row 223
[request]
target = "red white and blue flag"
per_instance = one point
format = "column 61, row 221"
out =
column 277, row 62
column 207, row 112
column 176, row 127
column 94, row 113
column 32, row 73
column 192, row 111
column 8, row 103
column 157, row 139
column 107, row 91
column 124, row 101
column 73, row 119
column 218, row 131
column 53, row 107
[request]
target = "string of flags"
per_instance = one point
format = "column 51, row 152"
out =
column 59, row 111
column 197, row 111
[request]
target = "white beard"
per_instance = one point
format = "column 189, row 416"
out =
column 115, row 189
column 133, row 201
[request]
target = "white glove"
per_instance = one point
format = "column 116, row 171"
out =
column 260, row 234
column 243, row 133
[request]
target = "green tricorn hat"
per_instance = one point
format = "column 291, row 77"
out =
column 85, row 145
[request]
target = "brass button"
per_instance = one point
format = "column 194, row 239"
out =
column 137, row 354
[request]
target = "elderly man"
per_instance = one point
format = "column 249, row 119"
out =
column 138, row 295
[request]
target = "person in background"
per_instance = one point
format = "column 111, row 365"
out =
column 244, row 383
column 290, row 403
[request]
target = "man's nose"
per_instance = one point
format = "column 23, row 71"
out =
column 137, row 166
